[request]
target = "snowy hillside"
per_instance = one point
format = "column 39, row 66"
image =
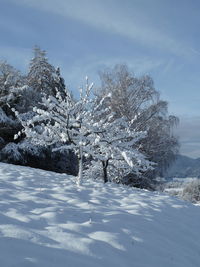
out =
column 46, row 221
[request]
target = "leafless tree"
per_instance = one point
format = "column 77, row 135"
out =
column 138, row 100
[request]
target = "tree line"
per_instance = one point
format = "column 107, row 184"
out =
column 119, row 131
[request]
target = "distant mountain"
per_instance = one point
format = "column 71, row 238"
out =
column 184, row 166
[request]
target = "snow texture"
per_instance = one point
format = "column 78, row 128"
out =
column 47, row 221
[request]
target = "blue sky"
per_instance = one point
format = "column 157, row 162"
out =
column 156, row 37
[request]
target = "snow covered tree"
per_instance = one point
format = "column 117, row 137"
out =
column 43, row 77
column 11, row 82
column 138, row 101
column 59, row 120
column 9, row 78
column 16, row 93
column 79, row 126
column 114, row 142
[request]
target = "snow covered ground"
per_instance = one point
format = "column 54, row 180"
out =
column 47, row 221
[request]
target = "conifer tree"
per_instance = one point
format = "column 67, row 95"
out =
column 42, row 76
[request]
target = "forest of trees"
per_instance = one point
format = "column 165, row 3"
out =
column 119, row 131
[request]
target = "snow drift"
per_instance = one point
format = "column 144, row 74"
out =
column 47, row 221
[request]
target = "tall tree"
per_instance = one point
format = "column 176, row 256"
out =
column 137, row 100
column 42, row 76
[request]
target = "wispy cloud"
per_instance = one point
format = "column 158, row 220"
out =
column 111, row 17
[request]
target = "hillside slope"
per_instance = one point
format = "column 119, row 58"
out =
column 47, row 221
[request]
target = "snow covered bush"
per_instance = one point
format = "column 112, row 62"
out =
column 141, row 181
column 10, row 153
column 37, row 156
column 19, row 153
column 191, row 191
column 4, row 119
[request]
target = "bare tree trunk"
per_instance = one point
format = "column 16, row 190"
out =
column 80, row 170
column 105, row 174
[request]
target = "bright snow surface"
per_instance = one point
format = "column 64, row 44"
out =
column 47, row 221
